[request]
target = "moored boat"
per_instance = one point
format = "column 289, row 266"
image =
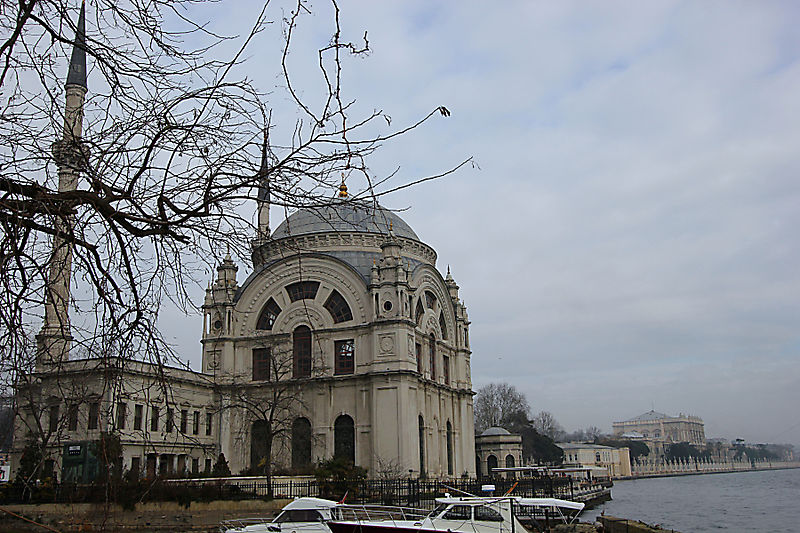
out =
column 511, row 514
column 301, row 515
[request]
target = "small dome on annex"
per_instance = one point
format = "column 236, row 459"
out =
column 493, row 431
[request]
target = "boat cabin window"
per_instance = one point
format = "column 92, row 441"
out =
column 485, row 514
column 300, row 515
column 458, row 512
column 439, row 508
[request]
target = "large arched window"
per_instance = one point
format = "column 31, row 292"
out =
column 491, row 464
column 344, row 438
column 259, row 451
column 302, row 290
column 268, row 315
column 421, row 446
column 301, row 354
column 449, row 448
column 509, row 461
column 301, row 443
column 338, row 308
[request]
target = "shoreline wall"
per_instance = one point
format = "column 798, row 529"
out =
column 643, row 469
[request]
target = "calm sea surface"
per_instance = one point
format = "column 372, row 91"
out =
column 745, row 501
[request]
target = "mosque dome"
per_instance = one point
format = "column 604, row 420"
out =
column 347, row 230
column 343, row 216
column 494, row 431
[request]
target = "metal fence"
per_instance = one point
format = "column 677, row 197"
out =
column 405, row 492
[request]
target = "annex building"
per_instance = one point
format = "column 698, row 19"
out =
column 344, row 340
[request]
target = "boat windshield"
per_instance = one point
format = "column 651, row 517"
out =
column 439, row 508
column 300, row 515
column 458, row 512
column 484, row 513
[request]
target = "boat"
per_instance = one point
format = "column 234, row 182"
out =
column 301, row 515
column 474, row 514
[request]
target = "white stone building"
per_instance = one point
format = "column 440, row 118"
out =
column 615, row 461
column 497, row 447
column 659, row 427
column 345, row 334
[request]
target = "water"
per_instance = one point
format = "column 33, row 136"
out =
column 742, row 501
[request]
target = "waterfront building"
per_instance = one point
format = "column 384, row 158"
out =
column 659, row 427
column 615, row 461
column 497, row 447
column 344, row 340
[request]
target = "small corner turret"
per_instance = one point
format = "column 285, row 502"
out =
column 389, row 279
column 219, row 300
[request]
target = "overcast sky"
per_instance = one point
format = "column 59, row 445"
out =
column 629, row 239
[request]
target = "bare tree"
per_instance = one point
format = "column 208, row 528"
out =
column 268, row 404
column 497, row 404
column 163, row 159
column 126, row 196
column 546, row 424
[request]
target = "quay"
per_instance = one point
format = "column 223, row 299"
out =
column 696, row 469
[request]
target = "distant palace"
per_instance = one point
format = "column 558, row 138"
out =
column 660, row 427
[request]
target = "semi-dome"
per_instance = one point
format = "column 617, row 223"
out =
column 343, row 216
column 494, row 431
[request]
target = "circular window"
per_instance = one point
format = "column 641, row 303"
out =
column 218, row 324
column 387, row 305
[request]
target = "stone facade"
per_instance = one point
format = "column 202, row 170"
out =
column 660, row 427
column 344, row 341
column 616, row 461
column 497, row 447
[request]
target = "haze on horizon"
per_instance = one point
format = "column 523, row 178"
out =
column 627, row 241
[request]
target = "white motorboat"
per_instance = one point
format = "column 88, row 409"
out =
column 502, row 514
column 301, row 515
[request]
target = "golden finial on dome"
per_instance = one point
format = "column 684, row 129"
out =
column 343, row 188
column 390, row 225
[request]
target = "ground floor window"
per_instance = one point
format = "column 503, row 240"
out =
column 344, row 438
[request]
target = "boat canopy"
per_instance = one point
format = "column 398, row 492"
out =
column 528, row 502
column 309, row 503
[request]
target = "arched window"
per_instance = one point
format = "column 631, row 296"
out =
column 421, row 446
column 443, row 325
column 491, row 464
column 301, row 443
column 302, row 290
column 432, row 350
column 509, row 461
column 449, row 448
column 338, row 308
column 259, row 451
column 344, row 438
column 430, row 299
column 268, row 315
column 419, row 312
column 301, row 339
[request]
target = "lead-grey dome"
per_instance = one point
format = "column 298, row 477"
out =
column 493, row 431
column 343, row 216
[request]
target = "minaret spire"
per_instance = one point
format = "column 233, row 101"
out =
column 70, row 156
column 77, row 64
column 263, row 190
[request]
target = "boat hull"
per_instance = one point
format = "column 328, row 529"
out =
column 355, row 527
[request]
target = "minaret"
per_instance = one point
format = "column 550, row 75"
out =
column 263, row 191
column 55, row 338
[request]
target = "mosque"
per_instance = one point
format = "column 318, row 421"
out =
column 344, row 340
